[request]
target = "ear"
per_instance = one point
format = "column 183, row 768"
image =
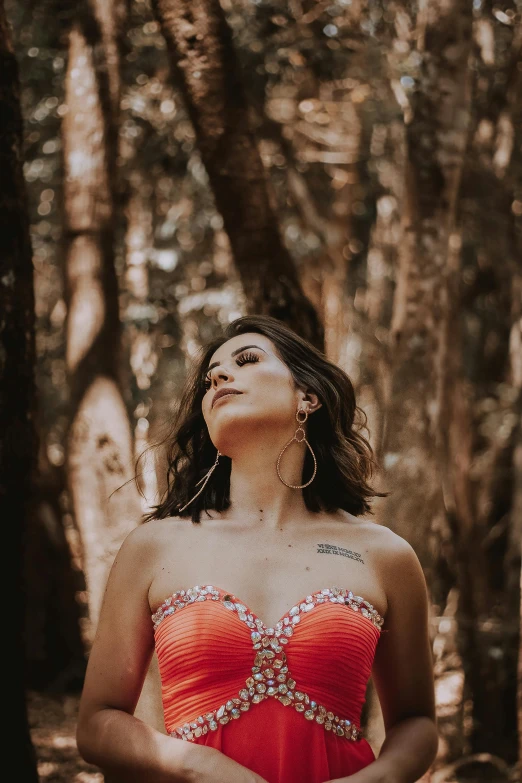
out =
column 309, row 401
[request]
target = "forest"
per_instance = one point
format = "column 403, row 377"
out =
column 352, row 169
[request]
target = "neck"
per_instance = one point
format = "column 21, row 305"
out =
column 257, row 495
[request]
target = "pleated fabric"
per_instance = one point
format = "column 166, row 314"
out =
column 205, row 655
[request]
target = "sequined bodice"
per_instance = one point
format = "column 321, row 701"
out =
column 214, row 652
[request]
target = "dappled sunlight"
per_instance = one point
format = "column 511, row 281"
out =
column 351, row 168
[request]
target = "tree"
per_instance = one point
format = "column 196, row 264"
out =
column 437, row 123
column 17, row 385
column 437, row 114
column 442, row 375
column 99, row 453
column 202, row 55
column 477, row 441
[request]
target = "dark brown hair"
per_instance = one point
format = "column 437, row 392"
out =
column 344, row 456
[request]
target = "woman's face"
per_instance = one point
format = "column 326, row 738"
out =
column 249, row 389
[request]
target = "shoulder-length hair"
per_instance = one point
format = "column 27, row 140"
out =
column 345, row 458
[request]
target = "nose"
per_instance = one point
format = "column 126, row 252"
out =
column 219, row 374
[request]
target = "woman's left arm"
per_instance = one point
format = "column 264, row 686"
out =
column 403, row 676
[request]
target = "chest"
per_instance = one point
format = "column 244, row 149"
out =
column 269, row 573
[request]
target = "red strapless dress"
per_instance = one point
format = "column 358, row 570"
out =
column 283, row 701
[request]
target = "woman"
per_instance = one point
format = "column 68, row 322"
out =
column 268, row 594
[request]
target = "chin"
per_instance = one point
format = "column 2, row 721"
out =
column 233, row 429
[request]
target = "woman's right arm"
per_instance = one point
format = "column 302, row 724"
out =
column 108, row 735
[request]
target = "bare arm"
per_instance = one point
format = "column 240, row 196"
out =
column 403, row 676
column 403, row 673
column 108, row 735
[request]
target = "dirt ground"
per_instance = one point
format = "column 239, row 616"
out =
column 52, row 719
column 53, row 724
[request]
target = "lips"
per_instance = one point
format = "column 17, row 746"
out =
column 224, row 393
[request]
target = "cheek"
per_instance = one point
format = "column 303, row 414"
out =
column 274, row 390
column 270, row 396
column 205, row 407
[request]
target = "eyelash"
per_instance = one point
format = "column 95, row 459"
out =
column 243, row 358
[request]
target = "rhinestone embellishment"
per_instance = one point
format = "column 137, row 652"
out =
column 270, row 677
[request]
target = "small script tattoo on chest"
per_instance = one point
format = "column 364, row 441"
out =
column 332, row 549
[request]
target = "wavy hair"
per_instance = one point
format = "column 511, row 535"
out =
column 345, row 457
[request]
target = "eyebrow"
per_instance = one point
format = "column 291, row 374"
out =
column 235, row 353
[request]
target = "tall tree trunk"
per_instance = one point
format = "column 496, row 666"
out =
column 99, row 445
column 480, row 505
column 17, row 390
column 437, row 131
column 202, row 54
column 144, row 356
column 430, row 421
column 456, row 439
column 55, row 649
column 437, row 127
column 516, row 529
column 514, row 553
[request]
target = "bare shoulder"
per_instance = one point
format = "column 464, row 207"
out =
column 396, row 563
column 400, row 570
column 384, row 542
column 138, row 542
column 149, row 533
column 390, row 545
column 392, row 550
column 144, row 543
column 151, row 540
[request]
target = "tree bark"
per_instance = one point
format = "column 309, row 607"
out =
column 478, row 471
column 17, row 391
column 437, row 131
column 515, row 553
column 202, row 55
column 431, row 369
column 144, row 357
column 437, row 121
column 55, row 649
column 99, row 440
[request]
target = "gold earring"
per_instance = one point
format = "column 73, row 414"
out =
column 299, row 437
column 204, row 480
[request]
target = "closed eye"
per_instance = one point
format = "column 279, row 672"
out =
column 243, row 358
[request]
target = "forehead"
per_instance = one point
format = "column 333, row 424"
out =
column 238, row 342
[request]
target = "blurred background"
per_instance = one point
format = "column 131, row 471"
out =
column 354, row 169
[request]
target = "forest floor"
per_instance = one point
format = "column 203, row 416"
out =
column 52, row 720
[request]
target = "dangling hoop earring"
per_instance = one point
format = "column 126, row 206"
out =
column 299, row 437
column 204, row 480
